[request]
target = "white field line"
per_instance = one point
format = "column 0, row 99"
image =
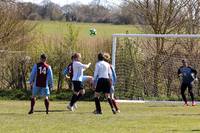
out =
column 149, row 101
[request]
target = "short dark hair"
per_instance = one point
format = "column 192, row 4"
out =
column 43, row 56
column 100, row 56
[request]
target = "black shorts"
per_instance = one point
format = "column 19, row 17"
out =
column 184, row 86
column 77, row 85
column 103, row 85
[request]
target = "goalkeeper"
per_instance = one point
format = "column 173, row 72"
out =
column 188, row 76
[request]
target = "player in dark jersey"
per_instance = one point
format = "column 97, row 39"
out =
column 68, row 71
column 187, row 75
column 41, row 80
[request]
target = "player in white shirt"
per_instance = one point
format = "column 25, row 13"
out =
column 102, row 76
column 77, row 80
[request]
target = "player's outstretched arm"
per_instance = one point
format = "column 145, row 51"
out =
column 50, row 78
column 114, row 76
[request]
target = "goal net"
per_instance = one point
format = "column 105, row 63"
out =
column 146, row 64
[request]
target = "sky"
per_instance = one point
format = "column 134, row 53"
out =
column 63, row 2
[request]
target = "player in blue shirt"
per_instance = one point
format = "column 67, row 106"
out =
column 187, row 75
column 41, row 81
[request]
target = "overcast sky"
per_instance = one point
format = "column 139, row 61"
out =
column 63, row 2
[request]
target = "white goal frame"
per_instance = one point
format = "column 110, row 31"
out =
column 115, row 36
column 114, row 46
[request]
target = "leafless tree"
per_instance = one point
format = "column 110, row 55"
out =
column 13, row 36
column 161, row 17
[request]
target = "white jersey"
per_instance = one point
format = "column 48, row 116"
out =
column 78, row 69
column 102, row 70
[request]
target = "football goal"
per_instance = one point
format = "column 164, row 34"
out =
column 146, row 64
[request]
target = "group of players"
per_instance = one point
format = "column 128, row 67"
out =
column 104, row 79
column 41, row 81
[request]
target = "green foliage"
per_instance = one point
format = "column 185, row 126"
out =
column 15, row 94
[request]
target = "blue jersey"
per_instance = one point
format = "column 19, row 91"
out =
column 41, row 76
column 187, row 74
column 114, row 77
column 68, row 71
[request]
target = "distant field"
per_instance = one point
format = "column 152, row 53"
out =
column 103, row 30
column 147, row 118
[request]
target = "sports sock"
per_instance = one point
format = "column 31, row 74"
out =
column 73, row 99
column 115, row 104
column 32, row 104
column 46, row 102
column 110, row 102
column 79, row 96
column 97, row 104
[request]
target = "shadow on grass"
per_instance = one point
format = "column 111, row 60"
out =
column 186, row 114
column 163, row 106
column 50, row 111
column 10, row 114
column 58, row 111
column 193, row 130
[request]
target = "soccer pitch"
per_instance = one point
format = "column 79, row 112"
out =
column 140, row 117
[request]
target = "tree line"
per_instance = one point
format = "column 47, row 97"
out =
column 93, row 12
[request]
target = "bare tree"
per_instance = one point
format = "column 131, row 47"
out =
column 161, row 17
column 13, row 36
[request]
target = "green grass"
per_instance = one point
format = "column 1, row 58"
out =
column 153, row 118
column 103, row 30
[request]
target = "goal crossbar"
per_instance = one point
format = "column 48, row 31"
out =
column 159, row 35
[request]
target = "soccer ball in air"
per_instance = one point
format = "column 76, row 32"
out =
column 93, row 32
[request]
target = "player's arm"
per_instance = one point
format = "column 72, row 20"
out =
column 65, row 71
column 194, row 74
column 33, row 75
column 114, row 76
column 194, row 71
column 96, row 71
column 50, row 78
column 110, row 75
column 84, row 66
column 179, row 72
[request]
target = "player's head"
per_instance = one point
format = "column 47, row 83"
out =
column 77, row 57
column 43, row 58
column 100, row 56
column 185, row 62
column 106, row 57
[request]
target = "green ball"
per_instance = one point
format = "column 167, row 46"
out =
column 93, row 32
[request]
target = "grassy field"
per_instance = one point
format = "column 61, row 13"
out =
column 103, row 30
column 148, row 118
